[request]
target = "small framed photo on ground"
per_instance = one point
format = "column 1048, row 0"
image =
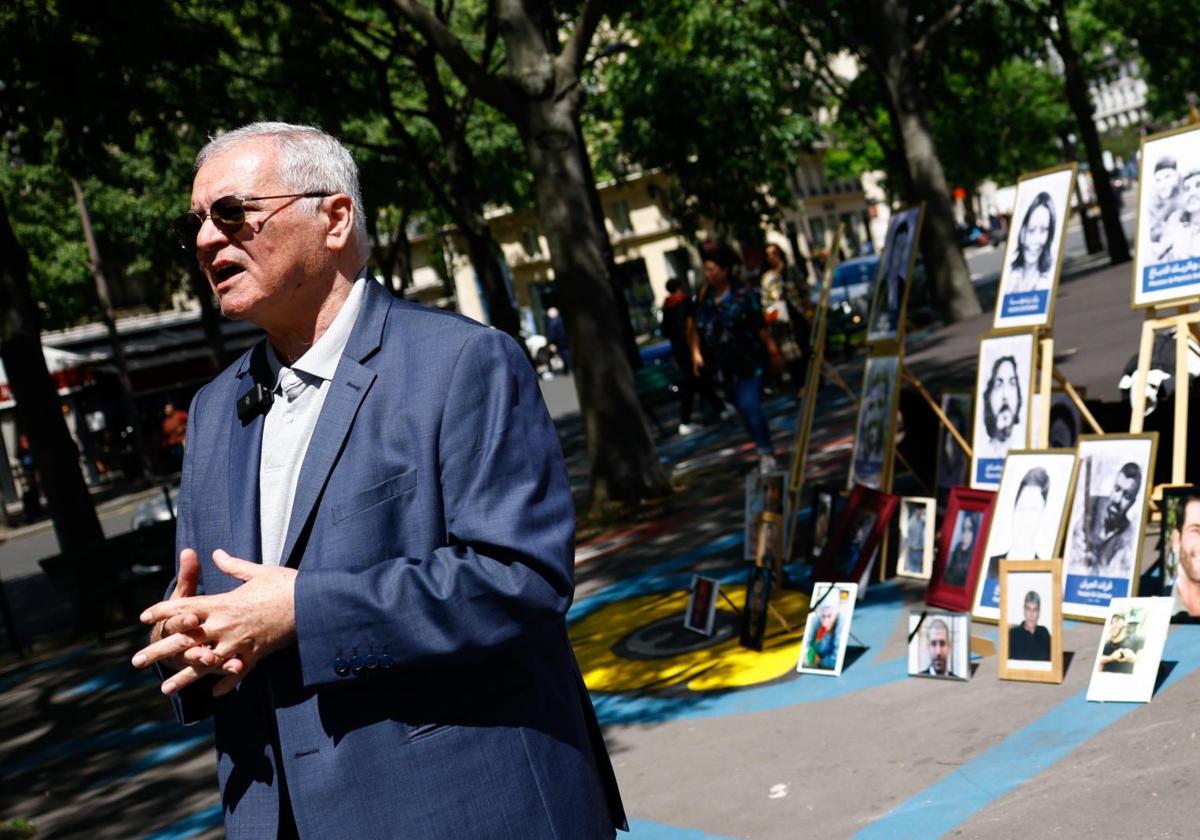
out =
column 1102, row 549
column 889, row 295
column 1031, row 620
column 754, row 611
column 939, row 645
column 1029, row 518
column 1166, row 265
column 827, row 629
column 764, row 494
column 702, row 605
column 871, row 460
column 960, row 549
column 1004, row 381
column 918, row 517
column 1180, row 547
column 1130, row 651
column 953, row 463
column 856, row 534
column 1034, row 252
column 824, row 508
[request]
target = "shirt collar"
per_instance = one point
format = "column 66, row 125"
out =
column 321, row 360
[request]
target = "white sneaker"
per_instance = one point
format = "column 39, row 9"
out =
column 727, row 412
column 688, row 429
column 766, row 463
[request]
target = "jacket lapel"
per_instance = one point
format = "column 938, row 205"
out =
column 245, row 449
column 346, row 393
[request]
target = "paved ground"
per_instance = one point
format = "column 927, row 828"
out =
column 709, row 740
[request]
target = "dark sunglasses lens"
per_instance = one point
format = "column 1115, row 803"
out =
column 228, row 210
column 186, row 228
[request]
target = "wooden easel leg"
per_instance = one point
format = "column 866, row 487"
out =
column 1073, row 395
column 1040, row 431
column 937, row 409
column 837, row 379
column 1137, row 420
column 982, row 647
column 1179, row 459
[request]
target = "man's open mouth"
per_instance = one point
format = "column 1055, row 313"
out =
column 225, row 272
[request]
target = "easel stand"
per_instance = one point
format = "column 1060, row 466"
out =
column 1186, row 323
column 778, row 616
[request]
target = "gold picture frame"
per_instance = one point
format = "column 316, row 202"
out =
column 1020, row 581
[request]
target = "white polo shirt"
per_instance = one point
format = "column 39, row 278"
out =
column 299, row 393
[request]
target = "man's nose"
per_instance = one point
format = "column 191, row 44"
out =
column 210, row 235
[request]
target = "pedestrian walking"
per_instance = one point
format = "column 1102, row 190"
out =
column 679, row 326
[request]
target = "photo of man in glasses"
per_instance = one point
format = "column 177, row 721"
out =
column 375, row 539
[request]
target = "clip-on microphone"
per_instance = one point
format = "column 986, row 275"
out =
column 254, row 401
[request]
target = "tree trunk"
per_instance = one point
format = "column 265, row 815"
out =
column 1081, row 107
column 39, row 410
column 944, row 262
column 624, row 462
column 128, row 402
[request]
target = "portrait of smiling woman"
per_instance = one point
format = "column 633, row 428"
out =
column 1030, row 270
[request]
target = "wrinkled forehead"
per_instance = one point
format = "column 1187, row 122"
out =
column 249, row 168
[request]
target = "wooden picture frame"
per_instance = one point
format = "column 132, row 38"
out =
column 856, row 535
column 765, row 493
column 875, row 423
column 990, row 442
column 1029, row 519
column 812, row 376
column 1026, row 294
column 702, row 605
column 953, row 462
column 1161, row 276
column 879, row 326
column 956, row 568
column 1099, row 562
column 1031, row 590
column 918, row 540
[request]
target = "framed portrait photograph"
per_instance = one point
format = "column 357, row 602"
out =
column 918, row 520
column 754, row 610
column 824, row 507
column 856, row 534
column 768, row 542
column 871, row 461
column 1034, row 251
column 1130, row 650
column 939, row 644
column 1031, row 626
column 1066, row 423
column 889, row 293
column 702, row 605
column 952, row 460
column 1002, row 387
column 1029, row 518
column 1180, row 547
column 960, row 549
column 827, row 629
column 1166, row 264
column 1109, row 501
column 764, row 494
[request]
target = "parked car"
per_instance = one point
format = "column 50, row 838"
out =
column 850, row 300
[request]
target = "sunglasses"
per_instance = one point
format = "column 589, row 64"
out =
column 228, row 213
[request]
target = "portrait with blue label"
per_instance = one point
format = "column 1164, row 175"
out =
column 1167, row 258
column 1002, row 390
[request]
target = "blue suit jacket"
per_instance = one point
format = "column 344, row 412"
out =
column 432, row 691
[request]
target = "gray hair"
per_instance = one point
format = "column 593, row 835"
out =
column 309, row 161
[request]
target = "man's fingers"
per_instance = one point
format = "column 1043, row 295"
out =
column 182, row 623
column 189, row 574
column 233, row 566
column 226, row 685
column 177, row 606
column 166, row 647
column 182, row 679
column 236, row 670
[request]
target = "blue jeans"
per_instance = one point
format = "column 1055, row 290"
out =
column 746, row 395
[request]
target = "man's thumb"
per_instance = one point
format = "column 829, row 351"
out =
column 232, row 566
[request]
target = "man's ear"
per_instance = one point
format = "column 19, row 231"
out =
column 339, row 212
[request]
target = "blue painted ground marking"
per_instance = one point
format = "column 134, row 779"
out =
column 117, row 678
column 20, row 675
column 191, row 825
column 647, row 830
column 154, row 758
column 944, row 806
column 119, row 739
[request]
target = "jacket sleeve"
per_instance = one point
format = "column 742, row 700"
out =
column 507, row 568
column 194, row 703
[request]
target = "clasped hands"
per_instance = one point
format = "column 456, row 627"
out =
column 227, row 634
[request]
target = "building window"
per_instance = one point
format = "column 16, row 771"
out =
column 618, row 211
column 530, row 242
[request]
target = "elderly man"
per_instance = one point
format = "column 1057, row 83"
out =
column 375, row 540
column 1030, row 641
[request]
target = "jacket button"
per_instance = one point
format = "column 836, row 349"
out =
column 340, row 667
column 385, row 660
column 371, row 661
column 356, row 664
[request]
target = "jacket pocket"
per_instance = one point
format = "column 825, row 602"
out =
column 372, row 496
